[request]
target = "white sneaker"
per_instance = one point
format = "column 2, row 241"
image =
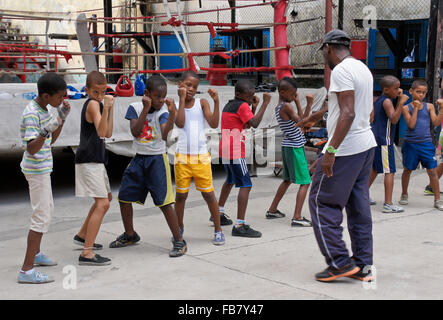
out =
column 372, row 202
column 404, row 199
column 439, row 205
column 392, row 208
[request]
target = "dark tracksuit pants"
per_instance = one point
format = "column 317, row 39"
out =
column 347, row 188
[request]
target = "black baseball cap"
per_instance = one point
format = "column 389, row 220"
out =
column 336, row 37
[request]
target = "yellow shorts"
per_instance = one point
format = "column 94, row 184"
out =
column 197, row 166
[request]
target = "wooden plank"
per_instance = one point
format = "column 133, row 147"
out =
column 85, row 42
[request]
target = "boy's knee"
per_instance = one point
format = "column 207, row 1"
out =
column 181, row 196
column 103, row 204
column 208, row 196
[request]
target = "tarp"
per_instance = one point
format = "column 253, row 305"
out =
column 121, row 140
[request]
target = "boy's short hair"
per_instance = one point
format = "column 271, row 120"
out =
column 244, row 86
column 95, row 77
column 155, row 82
column 289, row 80
column 188, row 74
column 388, row 81
column 419, row 83
column 50, row 83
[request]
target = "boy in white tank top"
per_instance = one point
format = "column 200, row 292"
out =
column 192, row 159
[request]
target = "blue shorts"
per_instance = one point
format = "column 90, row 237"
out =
column 237, row 172
column 413, row 153
column 384, row 159
column 147, row 174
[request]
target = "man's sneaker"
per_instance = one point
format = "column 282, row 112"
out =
column 178, row 249
column 44, row 261
column 301, row 223
column 274, row 215
column 81, row 242
column 34, row 278
column 372, row 202
column 219, row 238
column 403, row 199
column 392, row 208
column 124, row 240
column 225, row 220
column 331, row 273
column 363, row 275
column 96, row 261
column 245, row 230
column 439, row 205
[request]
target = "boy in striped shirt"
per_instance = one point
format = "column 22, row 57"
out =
column 39, row 129
column 295, row 166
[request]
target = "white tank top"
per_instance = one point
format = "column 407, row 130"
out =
column 192, row 138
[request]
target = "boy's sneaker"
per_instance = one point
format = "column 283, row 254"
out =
column 331, row 273
column 44, row 261
column 182, row 230
column 225, row 220
column 246, row 231
column 363, row 275
column 178, row 249
column 403, row 199
column 438, row 205
column 34, row 278
column 219, row 238
column 274, row 215
column 124, row 240
column 392, row 208
column 428, row 190
column 96, row 261
column 301, row 223
column 372, row 202
column 81, row 242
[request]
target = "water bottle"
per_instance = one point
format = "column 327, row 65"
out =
column 29, row 95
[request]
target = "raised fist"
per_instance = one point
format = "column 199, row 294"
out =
column 108, row 102
column 147, row 102
column 267, row 98
column 182, row 92
column 170, row 103
column 64, row 109
column 309, row 98
column 213, row 93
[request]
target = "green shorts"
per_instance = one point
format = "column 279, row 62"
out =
column 295, row 166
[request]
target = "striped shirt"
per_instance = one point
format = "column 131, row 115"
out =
column 292, row 137
column 33, row 119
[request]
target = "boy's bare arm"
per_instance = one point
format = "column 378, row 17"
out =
column 298, row 104
column 411, row 120
column 287, row 111
column 35, row 145
column 63, row 112
column 168, row 126
column 100, row 121
column 254, row 122
column 392, row 113
column 137, row 125
column 212, row 118
column 436, row 119
column 181, row 115
column 309, row 103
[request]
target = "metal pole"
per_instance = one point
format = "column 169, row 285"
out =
column 107, row 5
column 341, row 7
column 328, row 27
column 434, row 50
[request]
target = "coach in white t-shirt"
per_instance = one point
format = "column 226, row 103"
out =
column 341, row 179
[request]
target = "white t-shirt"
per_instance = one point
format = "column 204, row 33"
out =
column 192, row 138
column 352, row 74
column 150, row 141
